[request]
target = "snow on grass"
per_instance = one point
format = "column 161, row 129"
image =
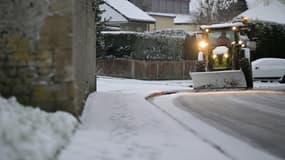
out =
column 27, row 133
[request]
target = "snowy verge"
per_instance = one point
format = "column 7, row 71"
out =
column 31, row 134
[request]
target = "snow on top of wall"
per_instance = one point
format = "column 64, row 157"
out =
column 267, row 10
column 129, row 10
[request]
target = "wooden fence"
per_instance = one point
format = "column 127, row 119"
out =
column 148, row 70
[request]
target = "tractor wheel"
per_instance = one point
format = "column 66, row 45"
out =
column 246, row 68
column 282, row 79
column 200, row 66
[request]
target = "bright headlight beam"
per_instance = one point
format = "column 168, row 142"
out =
column 203, row 44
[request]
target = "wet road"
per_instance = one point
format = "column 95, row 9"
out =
column 256, row 117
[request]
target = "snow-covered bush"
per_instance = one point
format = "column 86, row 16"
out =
column 27, row 133
column 158, row 45
column 270, row 38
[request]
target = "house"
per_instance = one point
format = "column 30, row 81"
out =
column 168, row 13
column 123, row 15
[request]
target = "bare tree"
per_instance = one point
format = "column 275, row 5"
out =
column 228, row 9
column 205, row 13
column 217, row 11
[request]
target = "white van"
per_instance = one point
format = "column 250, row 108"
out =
column 269, row 69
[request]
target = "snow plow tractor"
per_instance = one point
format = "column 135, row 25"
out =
column 223, row 60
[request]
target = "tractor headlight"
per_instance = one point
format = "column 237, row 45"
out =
column 226, row 55
column 214, row 56
column 203, row 44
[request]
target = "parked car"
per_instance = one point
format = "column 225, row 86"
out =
column 269, row 69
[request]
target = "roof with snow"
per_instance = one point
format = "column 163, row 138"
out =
column 162, row 14
column 123, row 10
column 269, row 11
column 184, row 19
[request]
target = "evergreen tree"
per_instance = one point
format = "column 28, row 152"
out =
column 100, row 23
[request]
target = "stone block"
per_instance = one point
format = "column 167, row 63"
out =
column 63, row 65
column 44, row 56
column 68, row 106
column 53, row 97
column 19, row 59
column 43, row 92
column 65, row 92
column 16, row 43
column 2, row 75
column 26, row 74
column 3, row 57
column 45, row 71
column 46, row 105
column 63, row 7
column 22, row 90
column 11, row 71
column 5, row 90
column 56, row 37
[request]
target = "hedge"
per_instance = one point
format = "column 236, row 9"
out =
column 159, row 45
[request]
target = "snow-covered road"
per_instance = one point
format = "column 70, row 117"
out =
column 118, row 123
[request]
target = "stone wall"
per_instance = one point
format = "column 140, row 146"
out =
column 148, row 70
column 41, row 60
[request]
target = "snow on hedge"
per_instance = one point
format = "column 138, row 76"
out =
column 27, row 133
column 165, row 44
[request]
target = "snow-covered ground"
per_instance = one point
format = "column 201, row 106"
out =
column 119, row 123
column 27, row 133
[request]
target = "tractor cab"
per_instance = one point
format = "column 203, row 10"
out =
column 221, row 45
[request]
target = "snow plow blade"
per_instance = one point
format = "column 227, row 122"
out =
column 219, row 79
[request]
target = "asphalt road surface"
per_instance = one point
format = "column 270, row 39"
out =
column 257, row 117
